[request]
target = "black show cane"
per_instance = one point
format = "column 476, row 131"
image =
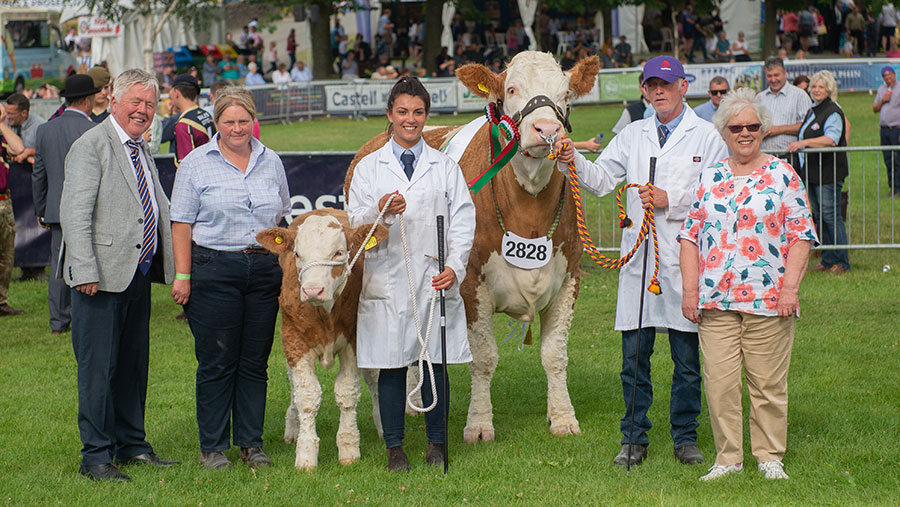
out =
column 440, row 242
column 637, row 352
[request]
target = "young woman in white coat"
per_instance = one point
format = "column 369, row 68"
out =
column 425, row 183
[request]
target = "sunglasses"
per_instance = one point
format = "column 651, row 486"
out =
column 718, row 92
column 736, row 129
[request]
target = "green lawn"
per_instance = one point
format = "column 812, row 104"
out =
column 844, row 424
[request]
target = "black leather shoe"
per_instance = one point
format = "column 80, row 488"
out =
column 397, row 460
column 638, row 453
column 6, row 310
column 435, row 455
column 103, row 472
column 149, row 458
column 689, row 454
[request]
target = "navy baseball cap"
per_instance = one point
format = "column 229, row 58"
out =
column 188, row 80
column 887, row 68
column 666, row 68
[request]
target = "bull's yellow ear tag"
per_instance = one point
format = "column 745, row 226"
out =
column 482, row 87
column 279, row 240
column 371, row 243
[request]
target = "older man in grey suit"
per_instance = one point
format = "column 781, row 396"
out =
column 52, row 144
column 116, row 238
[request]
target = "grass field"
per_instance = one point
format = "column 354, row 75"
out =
column 844, row 423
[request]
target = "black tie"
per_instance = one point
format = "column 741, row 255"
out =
column 663, row 133
column 407, row 158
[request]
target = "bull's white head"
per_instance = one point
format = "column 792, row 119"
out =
column 320, row 244
column 530, row 75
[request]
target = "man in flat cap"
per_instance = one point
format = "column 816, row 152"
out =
column 102, row 81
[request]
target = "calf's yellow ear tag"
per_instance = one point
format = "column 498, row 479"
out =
column 371, row 243
column 482, row 87
column 279, row 240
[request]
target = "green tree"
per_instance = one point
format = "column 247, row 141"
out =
column 155, row 14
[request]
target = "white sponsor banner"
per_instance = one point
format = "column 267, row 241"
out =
column 97, row 26
column 591, row 97
column 748, row 74
column 368, row 97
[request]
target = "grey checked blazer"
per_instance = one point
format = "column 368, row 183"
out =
column 102, row 217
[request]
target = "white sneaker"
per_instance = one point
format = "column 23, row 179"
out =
column 717, row 471
column 773, row 470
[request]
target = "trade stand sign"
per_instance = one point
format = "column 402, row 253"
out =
column 97, row 26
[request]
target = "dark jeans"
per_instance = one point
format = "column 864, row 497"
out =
column 392, row 404
column 231, row 311
column 891, row 137
column 824, row 202
column 684, row 405
column 110, row 336
column 699, row 42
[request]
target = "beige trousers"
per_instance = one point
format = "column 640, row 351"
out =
column 763, row 345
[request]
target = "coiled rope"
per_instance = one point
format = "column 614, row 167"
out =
column 648, row 225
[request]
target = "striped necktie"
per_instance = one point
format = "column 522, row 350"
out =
column 149, row 241
column 662, row 133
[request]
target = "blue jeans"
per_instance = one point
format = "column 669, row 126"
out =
column 392, row 405
column 829, row 222
column 232, row 311
column 684, row 405
column 891, row 137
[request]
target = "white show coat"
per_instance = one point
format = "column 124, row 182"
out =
column 694, row 145
column 386, row 330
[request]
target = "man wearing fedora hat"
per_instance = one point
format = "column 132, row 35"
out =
column 52, row 144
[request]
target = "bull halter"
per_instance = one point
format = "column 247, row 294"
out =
column 648, row 225
column 510, row 128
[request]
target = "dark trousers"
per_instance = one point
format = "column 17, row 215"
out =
column 110, row 336
column 392, row 405
column 684, row 404
column 891, row 137
column 231, row 311
column 59, row 295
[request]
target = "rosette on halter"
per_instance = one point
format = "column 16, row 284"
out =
column 499, row 157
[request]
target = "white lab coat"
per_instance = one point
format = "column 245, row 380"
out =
column 386, row 331
column 694, row 145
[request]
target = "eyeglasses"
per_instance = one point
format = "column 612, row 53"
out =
column 718, row 92
column 737, row 129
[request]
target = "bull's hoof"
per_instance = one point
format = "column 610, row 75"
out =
column 348, row 456
column 307, row 464
column 291, row 431
column 565, row 427
column 290, row 439
column 472, row 434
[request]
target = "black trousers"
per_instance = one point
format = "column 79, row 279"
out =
column 110, row 336
column 392, row 404
column 232, row 310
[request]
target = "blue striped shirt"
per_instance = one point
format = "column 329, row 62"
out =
column 227, row 207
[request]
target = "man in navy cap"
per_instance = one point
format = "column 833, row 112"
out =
column 194, row 126
column 683, row 144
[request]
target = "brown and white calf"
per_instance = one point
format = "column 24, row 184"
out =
column 318, row 323
column 528, row 192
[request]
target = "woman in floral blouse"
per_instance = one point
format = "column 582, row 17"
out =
column 744, row 250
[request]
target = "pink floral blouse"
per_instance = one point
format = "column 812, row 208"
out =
column 744, row 234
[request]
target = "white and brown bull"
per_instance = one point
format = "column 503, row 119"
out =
column 531, row 197
column 318, row 323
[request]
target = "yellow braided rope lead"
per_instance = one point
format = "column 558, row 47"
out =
column 648, row 224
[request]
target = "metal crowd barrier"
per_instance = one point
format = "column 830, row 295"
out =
column 868, row 208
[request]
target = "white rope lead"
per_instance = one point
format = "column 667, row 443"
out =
column 424, row 355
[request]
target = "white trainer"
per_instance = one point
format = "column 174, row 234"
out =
column 773, row 470
column 717, row 471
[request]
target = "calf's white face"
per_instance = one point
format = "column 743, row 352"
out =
column 321, row 238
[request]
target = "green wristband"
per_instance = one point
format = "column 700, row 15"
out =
column 182, row 276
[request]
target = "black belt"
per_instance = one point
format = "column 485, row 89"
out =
column 250, row 250
column 897, row 127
